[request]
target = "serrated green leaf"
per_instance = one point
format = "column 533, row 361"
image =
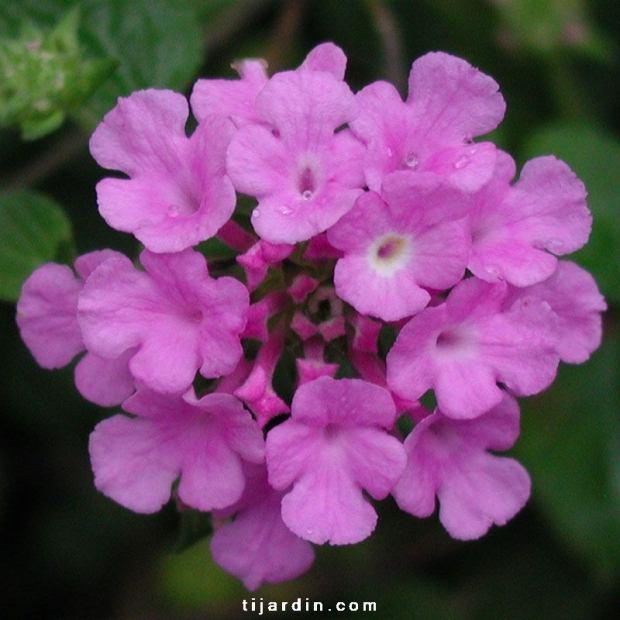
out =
column 595, row 158
column 570, row 442
column 33, row 231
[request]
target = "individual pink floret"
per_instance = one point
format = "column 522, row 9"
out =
column 399, row 244
column 516, row 229
column 177, row 193
column 204, row 441
column 462, row 348
column 334, row 447
column 449, row 103
column 304, row 175
column 257, row 547
column 47, row 319
column 450, row 459
column 573, row 296
column 179, row 319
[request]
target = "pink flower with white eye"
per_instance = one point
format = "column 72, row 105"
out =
column 178, row 318
column 462, row 348
column 47, row 319
column 204, row 441
column 399, row 244
column 177, row 193
column 235, row 99
column 304, row 174
column 257, row 547
column 449, row 103
column 334, row 446
column 449, row 459
column 516, row 229
column 572, row 294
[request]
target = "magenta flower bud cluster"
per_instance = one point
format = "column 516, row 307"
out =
column 373, row 220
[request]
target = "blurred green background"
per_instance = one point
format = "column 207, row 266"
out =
column 66, row 552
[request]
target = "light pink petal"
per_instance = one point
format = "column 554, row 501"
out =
column 145, row 131
column 573, row 296
column 326, row 506
column 306, row 106
column 350, row 402
column 326, row 57
column 490, row 490
column 548, row 206
column 257, row 547
column 231, row 98
column 47, row 315
column 133, row 463
column 455, row 100
column 106, row 382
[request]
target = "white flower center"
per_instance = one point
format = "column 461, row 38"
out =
column 389, row 253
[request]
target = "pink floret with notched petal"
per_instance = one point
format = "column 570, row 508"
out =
column 204, row 441
column 179, row 319
column 177, row 193
column 462, row 348
column 449, row 459
column 334, row 446
column 517, row 229
column 449, row 103
column 399, row 244
column 304, row 174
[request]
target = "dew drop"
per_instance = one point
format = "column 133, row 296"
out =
column 412, row 160
column 309, row 531
column 174, row 211
column 554, row 244
column 461, row 162
column 307, row 195
column 390, row 152
column 493, row 270
column 284, row 210
column 255, row 213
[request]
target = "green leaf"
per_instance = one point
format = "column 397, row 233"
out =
column 44, row 74
column 158, row 44
column 33, row 230
column 152, row 43
column 595, row 158
column 570, row 443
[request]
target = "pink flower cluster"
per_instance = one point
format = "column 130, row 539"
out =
column 376, row 220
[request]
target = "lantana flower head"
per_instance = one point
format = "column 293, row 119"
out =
column 388, row 255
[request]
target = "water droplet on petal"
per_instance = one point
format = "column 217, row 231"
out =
column 307, row 195
column 390, row 152
column 256, row 213
column 174, row 211
column 461, row 162
column 493, row 270
column 309, row 531
column 412, row 160
column 284, row 210
column 554, row 244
